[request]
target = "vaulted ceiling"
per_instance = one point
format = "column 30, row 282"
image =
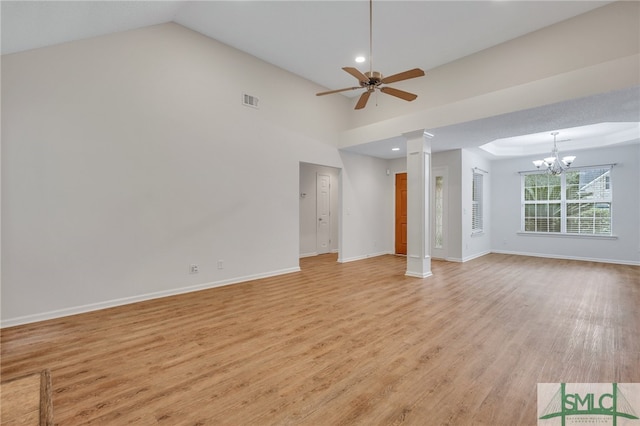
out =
column 327, row 34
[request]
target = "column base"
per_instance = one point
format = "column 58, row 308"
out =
column 418, row 268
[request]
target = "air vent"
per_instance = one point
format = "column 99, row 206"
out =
column 249, row 100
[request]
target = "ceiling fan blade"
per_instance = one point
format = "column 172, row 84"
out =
column 398, row 93
column 357, row 74
column 338, row 90
column 416, row 72
column 363, row 99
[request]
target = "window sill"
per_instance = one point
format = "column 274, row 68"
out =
column 559, row 235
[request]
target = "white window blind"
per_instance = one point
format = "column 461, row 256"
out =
column 476, row 204
column 578, row 201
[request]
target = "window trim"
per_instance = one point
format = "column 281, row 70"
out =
column 563, row 204
column 566, row 235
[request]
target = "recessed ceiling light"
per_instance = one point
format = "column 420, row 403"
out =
column 395, row 149
column 360, row 59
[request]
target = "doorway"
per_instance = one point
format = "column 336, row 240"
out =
column 319, row 218
column 401, row 214
column 323, row 213
column 439, row 209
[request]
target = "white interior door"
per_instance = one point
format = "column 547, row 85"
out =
column 439, row 212
column 323, row 213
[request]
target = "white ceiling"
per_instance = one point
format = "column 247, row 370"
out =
column 327, row 35
column 622, row 106
column 314, row 39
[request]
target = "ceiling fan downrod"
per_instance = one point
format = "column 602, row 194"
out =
column 373, row 80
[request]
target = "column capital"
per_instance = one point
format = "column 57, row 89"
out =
column 415, row 134
column 417, row 141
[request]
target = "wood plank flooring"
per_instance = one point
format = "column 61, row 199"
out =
column 27, row 400
column 344, row 344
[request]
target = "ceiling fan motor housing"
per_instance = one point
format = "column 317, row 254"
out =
column 372, row 80
column 375, row 79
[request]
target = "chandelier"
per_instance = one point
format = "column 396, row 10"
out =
column 555, row 165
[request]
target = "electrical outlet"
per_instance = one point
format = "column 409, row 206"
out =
column 193, row 269
column 220, row 264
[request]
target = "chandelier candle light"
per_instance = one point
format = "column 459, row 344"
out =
column 555, row 165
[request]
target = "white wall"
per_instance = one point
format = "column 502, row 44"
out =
column 308, row 214
column 128, row 157
column 460, row 244
column 625, row 176
column 366, row 211
column 453, row 238
column 475, row 245
column 398, row 165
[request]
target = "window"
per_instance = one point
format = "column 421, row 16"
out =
column 439, row 210
column 576, row 202
column 542, row 203
column 476, row 204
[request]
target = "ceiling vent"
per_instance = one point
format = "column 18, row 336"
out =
column 249, row 100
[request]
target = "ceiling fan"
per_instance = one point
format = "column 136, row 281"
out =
column 372, row 80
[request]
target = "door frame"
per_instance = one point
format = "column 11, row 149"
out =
column 319, row 249
column 306, row 172
column 395, row 208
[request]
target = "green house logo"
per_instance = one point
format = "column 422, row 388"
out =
column 564, row 404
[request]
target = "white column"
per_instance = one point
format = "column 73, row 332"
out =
column 418, row 175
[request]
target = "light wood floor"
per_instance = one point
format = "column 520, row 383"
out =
column 343, row 344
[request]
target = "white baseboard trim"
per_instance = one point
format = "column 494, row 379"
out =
column 315, row 253
column 416, row 275
column 584, row 259
column 462, row 260
column 366, row 256
column 308, row 254
column 475, row 256
column 27, row 319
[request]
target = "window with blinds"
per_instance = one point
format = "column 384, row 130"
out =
column 476, row 204
column 576, row 202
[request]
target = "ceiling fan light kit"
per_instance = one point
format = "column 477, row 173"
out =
column 373, row 80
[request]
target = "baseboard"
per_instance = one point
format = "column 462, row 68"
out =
column 315, row 253
column 27, row 319
column 416, row 275
column 366, row 256
column 475, row 256
column 584, row 259
column 462, row 260
column 308, row 254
